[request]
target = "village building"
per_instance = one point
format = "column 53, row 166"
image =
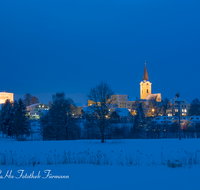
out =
column 35, row 111
column 6, row 96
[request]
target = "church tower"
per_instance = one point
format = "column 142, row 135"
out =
column 145, row 85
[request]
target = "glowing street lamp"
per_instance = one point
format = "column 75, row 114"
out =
column 153, row 111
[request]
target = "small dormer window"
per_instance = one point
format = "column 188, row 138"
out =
column 147, row 91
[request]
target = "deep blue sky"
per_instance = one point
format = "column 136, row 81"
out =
column 50, row 46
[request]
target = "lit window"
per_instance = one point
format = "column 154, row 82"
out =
column 176, row 110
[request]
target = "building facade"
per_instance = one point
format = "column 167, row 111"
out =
column 6, row 96
column 36, row 110
column 174, row 106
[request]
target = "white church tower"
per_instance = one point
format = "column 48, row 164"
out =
column 145, row 85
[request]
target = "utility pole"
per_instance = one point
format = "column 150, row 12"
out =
column 178, row 101
column 179, row 128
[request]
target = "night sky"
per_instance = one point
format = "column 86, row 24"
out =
column 71, row 45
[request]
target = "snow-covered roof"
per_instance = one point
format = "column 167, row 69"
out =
column 183, row 101
column 122, row 112
column 33, row 105
column 194, row 118
column 151, row 96
column 161, row 119
column 6, row 92
column 89, row 109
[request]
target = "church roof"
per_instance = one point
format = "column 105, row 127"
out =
column 151, row 96
column 145, row 77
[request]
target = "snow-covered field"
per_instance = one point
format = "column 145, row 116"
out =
column 113, row 152
column 116, row 164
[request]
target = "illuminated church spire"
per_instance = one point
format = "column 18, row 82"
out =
column 145, row 77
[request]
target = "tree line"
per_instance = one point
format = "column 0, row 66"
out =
column 13, row 120
column 59, row 124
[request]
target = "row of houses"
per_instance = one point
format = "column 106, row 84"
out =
column 184, row 121
column 122, row 108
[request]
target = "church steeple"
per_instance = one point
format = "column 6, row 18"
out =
column 145, row 77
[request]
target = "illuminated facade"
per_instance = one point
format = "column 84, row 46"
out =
column 174, row 107
column 90, row 102
column 6, row 96
column 145, row 88
column 36, row 110
column 124, row 101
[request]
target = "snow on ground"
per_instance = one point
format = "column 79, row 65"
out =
column 114, row 152
column 96, row 177
column 144, row 145
column 116, row 164
column 7, row 139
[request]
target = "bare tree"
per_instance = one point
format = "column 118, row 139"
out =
column 34, row 100
column 154, row 107
column 27, row 99
column 50, row 104
column 165, row 106
column 195, row 107
column 100, row 95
